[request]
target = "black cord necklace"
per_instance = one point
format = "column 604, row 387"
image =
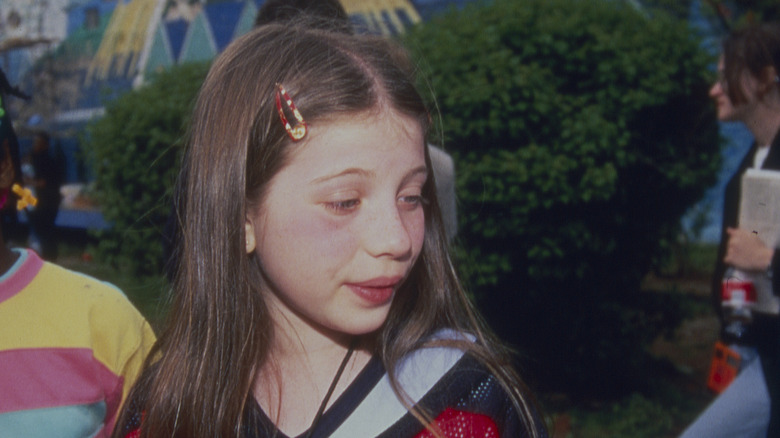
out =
column 332, row 388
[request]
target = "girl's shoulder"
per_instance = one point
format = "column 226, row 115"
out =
column 446, row 383
column 467, row 397
column 470, row 397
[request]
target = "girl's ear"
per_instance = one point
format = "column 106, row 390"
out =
column 249, row 232
column 7, row 173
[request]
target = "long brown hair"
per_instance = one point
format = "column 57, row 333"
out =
column 219, row 330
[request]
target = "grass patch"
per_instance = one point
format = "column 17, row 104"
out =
column 689, row 259
column 663, row 413
column 636, row 416
column 675, row 394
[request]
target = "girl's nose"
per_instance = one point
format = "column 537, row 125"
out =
column 716, row 89
column 387, row 234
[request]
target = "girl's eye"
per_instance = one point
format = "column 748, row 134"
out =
column 343, row 206
column 412, row 201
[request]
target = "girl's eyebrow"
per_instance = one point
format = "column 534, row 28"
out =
column 346, row 172
column 421, row 170
column 366, row 174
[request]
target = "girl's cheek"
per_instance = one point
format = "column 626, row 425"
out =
column 416, row 230
column 321, row 233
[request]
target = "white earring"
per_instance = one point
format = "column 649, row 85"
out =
column 249, row 232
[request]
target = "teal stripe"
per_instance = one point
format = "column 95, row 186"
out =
column 82, row 421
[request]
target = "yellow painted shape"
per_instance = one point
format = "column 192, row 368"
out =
column 124, row 39
column 374, row 8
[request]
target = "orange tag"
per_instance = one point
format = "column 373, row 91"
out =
column 724, row 367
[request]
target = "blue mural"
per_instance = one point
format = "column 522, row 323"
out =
column 102, row 48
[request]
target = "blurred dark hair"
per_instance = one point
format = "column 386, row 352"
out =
column 750, row 49
column 321, row 14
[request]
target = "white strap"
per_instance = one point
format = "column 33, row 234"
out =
column 417, row 374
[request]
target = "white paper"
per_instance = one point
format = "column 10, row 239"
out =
column 759, row 213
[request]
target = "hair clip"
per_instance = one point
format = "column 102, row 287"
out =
column 25, row 197
column 298, row 131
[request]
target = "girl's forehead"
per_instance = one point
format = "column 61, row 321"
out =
column 368, row 141
column 378, row 115
column 367, row 129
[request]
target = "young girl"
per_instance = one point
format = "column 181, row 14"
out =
column 315, row 295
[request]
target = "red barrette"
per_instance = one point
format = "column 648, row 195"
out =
column 298, row 131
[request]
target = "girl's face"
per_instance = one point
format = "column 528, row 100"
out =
column 342, row 223
column 726, row 109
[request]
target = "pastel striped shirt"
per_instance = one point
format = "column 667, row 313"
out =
column 70, row 348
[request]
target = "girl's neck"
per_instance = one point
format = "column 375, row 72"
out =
column 292, row 384
column 301, row 364
column 294, row 343
column 296, row 337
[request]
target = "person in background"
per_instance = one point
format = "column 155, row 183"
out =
column 48, row 165
column 314, row 293
column 748, row 91
column 70, row 346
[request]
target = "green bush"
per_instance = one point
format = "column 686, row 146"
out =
column 582, row 131
column 135, row 150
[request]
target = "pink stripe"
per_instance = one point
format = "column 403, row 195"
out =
column 49, row 377
column 20, row 275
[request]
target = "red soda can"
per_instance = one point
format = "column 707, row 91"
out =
column 734, row 290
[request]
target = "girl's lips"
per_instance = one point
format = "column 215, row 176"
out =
column 377, row 290
column 374, row 295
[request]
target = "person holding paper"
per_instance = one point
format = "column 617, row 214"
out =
column 748, row 90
